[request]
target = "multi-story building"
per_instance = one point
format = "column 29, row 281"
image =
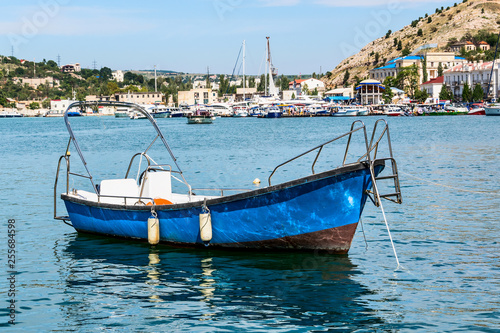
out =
column 140, row 97
column 477, row 72
column 197, row 96
column 434, row 59
column 71, row 68
column 118, row 76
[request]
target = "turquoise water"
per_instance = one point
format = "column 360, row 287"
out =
column 446, row 234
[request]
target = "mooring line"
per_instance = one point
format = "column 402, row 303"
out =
column 448, row 186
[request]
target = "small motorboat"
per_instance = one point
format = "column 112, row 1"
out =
column 319, row 211
column 10, row 114
column 200, row 116
column 271, row 112
column 478, row 111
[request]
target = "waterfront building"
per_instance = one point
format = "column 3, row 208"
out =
column 197, row 96
column 477, row 72
column 433, row 87
column 340, row 94
column 140, row 97
column 434, row 59
column 370, row 92
column 60, row 105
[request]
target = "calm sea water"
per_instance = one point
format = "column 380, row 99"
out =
column 446, row 234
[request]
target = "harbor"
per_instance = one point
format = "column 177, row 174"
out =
column 444, row 234
column 258, row 166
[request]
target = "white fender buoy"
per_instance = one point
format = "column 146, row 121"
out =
column 205, row 227
column 153, row 229
column 256, row 181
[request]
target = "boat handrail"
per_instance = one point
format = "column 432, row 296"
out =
column 374, row 146
column 320, row 148
column 222, row 190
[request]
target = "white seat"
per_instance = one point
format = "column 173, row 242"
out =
column 157, row 185
column 119, row 188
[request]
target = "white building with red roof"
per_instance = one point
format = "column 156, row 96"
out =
column 433, row 87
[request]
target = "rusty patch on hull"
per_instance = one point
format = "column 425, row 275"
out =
column 334, row 240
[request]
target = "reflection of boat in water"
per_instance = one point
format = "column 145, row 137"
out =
column 298, row 290
column 319, row 211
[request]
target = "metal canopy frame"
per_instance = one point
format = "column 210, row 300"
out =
column 132, row 106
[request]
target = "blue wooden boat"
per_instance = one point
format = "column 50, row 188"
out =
column 319, row 211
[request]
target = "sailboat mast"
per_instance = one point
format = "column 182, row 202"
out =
column 492, row 67
column 267, row 67
column 244, row 78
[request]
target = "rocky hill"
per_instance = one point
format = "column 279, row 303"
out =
column 439, row 28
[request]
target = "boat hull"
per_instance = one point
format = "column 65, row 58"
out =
column 319, row 212
column 492, row 111
column 273, row 115
column 199, row 120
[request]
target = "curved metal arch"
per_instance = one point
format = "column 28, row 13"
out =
column 134, row 107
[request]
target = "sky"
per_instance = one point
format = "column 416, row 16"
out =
column 195, row 35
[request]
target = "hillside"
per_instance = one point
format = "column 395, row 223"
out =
column 453, row 22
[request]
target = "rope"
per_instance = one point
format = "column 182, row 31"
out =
column 448, row 186
column 377, row 196
column 364, row 236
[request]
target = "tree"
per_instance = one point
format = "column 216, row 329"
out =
column 34, row 106
column 20, row 71
column 3, row 100
column 389, row 32
column 305, row 90
column 440, row 70
column 387, row 95
column 346, row 77
column 52, row 64
column 466, row 93
column 262, row 84
column 445, row 94
column 419, row 32
column 284, row 83
column 113, row 87
column 395, row 42
column 407, row 79
column 421, row 95
column 105, row 73
column 406, row 51
column 46, row 103
column 424, row 69
column 477, row 93
column 400, row 46
column 429, row 19
column 251, row 82
column 377, row 57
